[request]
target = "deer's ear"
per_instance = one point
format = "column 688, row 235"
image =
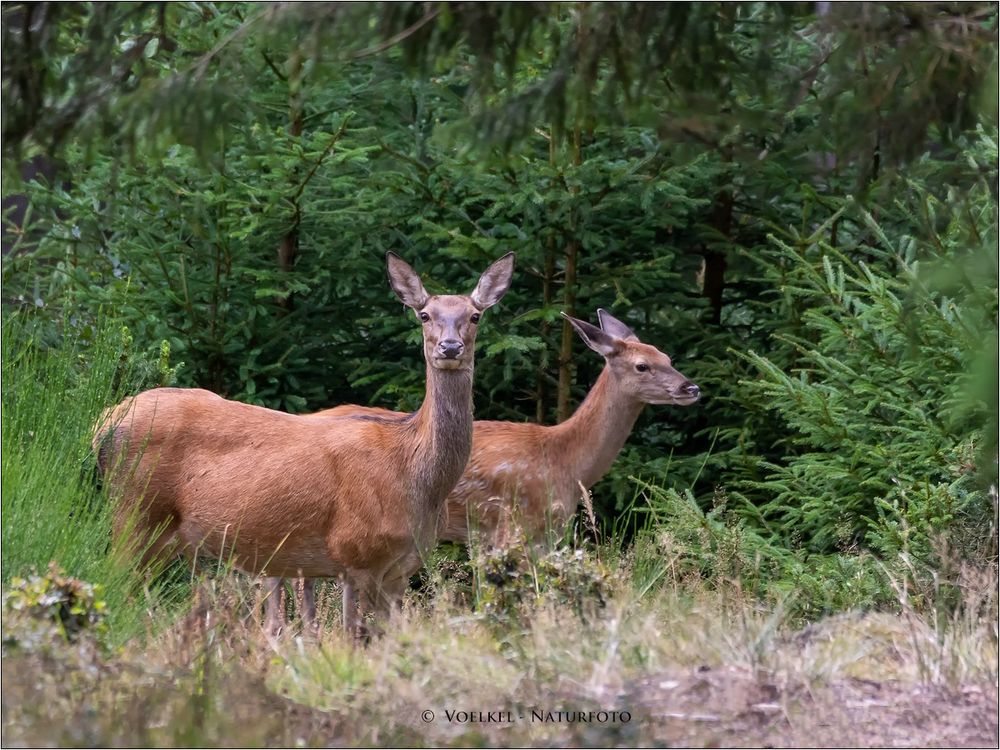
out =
column 601, row 342
column 494, row 283
column 405, row 282
column 611, row 324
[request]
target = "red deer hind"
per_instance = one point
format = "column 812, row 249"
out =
column 357, row 497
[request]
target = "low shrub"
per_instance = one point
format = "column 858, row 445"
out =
column 512, row 577
column 53, row 606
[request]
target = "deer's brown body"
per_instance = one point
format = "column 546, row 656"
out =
column 284, row 494
column 528, row 478
column 356, row 496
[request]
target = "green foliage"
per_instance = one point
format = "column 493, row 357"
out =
column 683, row 543
column 872, row 376
column 872, row 392
column 513, row 579
column 197, row 245
column 151, row 71
column 868, row 427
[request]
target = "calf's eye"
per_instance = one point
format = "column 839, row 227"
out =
column 642, row 367
column 474, row 318
column 424, row 317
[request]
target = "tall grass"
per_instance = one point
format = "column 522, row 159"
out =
column 692, row 666
column 56, row 382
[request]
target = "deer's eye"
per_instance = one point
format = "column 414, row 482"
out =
column 642, row 367
column 424, row 317
column 475, row 317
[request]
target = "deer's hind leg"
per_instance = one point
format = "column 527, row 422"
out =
column 274, row 612
column 306, row 590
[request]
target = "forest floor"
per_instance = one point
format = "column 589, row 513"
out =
column 676, row 667
column 725, row 707
column 731, row 707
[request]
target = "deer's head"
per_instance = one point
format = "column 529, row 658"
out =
column 450, row 321
column 639, row 370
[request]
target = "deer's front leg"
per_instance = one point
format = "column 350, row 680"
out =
column 349, row 606
column 360, row 597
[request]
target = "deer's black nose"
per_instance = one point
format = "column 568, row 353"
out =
column 691, row 389
column 451, row 348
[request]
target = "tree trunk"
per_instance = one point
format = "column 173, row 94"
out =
column 288, row 248
column 714, row 282
column 548, row 274
column 541, row 389
column 566, row 347
column 569, row 306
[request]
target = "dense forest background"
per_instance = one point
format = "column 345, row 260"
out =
column 797, row 202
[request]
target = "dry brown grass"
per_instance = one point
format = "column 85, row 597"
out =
column 689, row 665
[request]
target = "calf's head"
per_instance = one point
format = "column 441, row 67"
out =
column 639, row 370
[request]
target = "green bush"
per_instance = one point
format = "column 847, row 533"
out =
column 685, row 545
column 868, row 438
column 512, row 578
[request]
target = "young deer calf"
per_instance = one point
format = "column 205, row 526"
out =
column 528, row 477
column 355, row 496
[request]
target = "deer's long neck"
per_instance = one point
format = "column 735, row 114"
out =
column 588, row 442
column 443, row 441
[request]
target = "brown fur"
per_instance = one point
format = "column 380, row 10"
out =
column 307, row 496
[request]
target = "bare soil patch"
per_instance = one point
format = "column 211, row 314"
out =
column 734, row 707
